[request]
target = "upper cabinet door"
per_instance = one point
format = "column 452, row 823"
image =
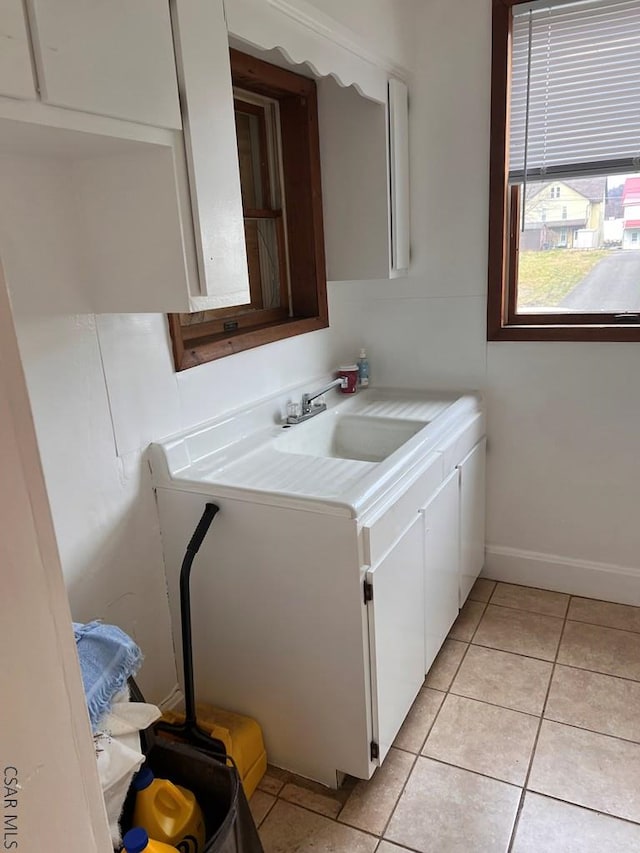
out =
column 110, row 57
column 204, row 69
column 16, row 74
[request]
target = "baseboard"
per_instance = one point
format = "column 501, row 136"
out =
column 605, row 581
column 174, row 700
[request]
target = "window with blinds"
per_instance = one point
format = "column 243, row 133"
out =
column 565, row 181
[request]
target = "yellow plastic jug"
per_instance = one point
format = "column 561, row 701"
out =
column 168, row 812
column 137, row 841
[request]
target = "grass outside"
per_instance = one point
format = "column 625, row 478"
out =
column 545, row 278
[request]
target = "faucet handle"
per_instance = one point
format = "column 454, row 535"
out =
column 293, row 409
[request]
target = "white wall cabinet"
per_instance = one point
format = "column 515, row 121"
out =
column 212, row 155
column 117, row 84
column 364, row 148
column 16, row 75
column 441, row 565
column 472, row 517
column 111, row 58
column 131, row 215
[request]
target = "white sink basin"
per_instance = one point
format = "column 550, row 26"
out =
column 344, row 436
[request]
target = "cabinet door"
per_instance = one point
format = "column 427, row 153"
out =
column 16, row 75
column 441, row 565
column 204, row 70
column 472, row 526
column 396, row 634
column 110, row 57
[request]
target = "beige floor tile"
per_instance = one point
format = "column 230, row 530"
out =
column 449, row 810
column 467, row 622
column 274, row 780
column 592, row 770
column 504, row 679
column 482, row 589
column 313, row 796
column 526, row 598
column 601, row 650
column 260, row 803
column 490, row 740
column 601, row 703
column 370, row 805
column 388, row 847
column 416, row 727
column 445, row 666
column 605, row 613
column 549, row 826
column 518, row 631
column 291, row 829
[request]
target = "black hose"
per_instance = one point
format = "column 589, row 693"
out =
column 193, row 547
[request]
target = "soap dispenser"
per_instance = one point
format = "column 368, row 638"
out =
column 363, row 369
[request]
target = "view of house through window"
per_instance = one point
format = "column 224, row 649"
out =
column 578, row 245
column 564, row 241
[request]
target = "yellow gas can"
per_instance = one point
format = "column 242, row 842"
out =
column 241, row 736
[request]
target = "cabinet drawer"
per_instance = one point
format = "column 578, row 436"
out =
column 385, row 526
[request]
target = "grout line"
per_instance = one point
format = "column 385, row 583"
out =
column 606, row 627
column 266, row 814
column 469, row 770
column 598, row 672
column 525, row 784
column 531, row 612
column 496, row 705
column 597, row 812
column 510, row 652
column 591, row 731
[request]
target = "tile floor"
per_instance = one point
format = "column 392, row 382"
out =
column 525, row 737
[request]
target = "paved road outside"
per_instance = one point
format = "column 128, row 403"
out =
column 612, row 285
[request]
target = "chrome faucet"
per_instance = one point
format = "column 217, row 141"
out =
column 307, row 410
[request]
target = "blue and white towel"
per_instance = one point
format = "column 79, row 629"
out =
column 108, row 657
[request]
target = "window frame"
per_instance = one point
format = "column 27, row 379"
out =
column 503, row 323
column 296, row 95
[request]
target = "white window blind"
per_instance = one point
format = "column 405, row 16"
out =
column 575, row 88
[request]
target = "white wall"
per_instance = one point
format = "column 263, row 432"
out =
column 101, row 389
column 40, row 676
column 385, row 25
column 563, row 464
column 429, row 329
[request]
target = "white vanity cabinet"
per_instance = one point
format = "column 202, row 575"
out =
column 319, row 616
column 16, row 76
column 111, row 58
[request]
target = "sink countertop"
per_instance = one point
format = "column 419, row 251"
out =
column 238, row 456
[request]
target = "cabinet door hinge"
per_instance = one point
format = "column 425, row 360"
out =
column 374, row 750
column 368, row 591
